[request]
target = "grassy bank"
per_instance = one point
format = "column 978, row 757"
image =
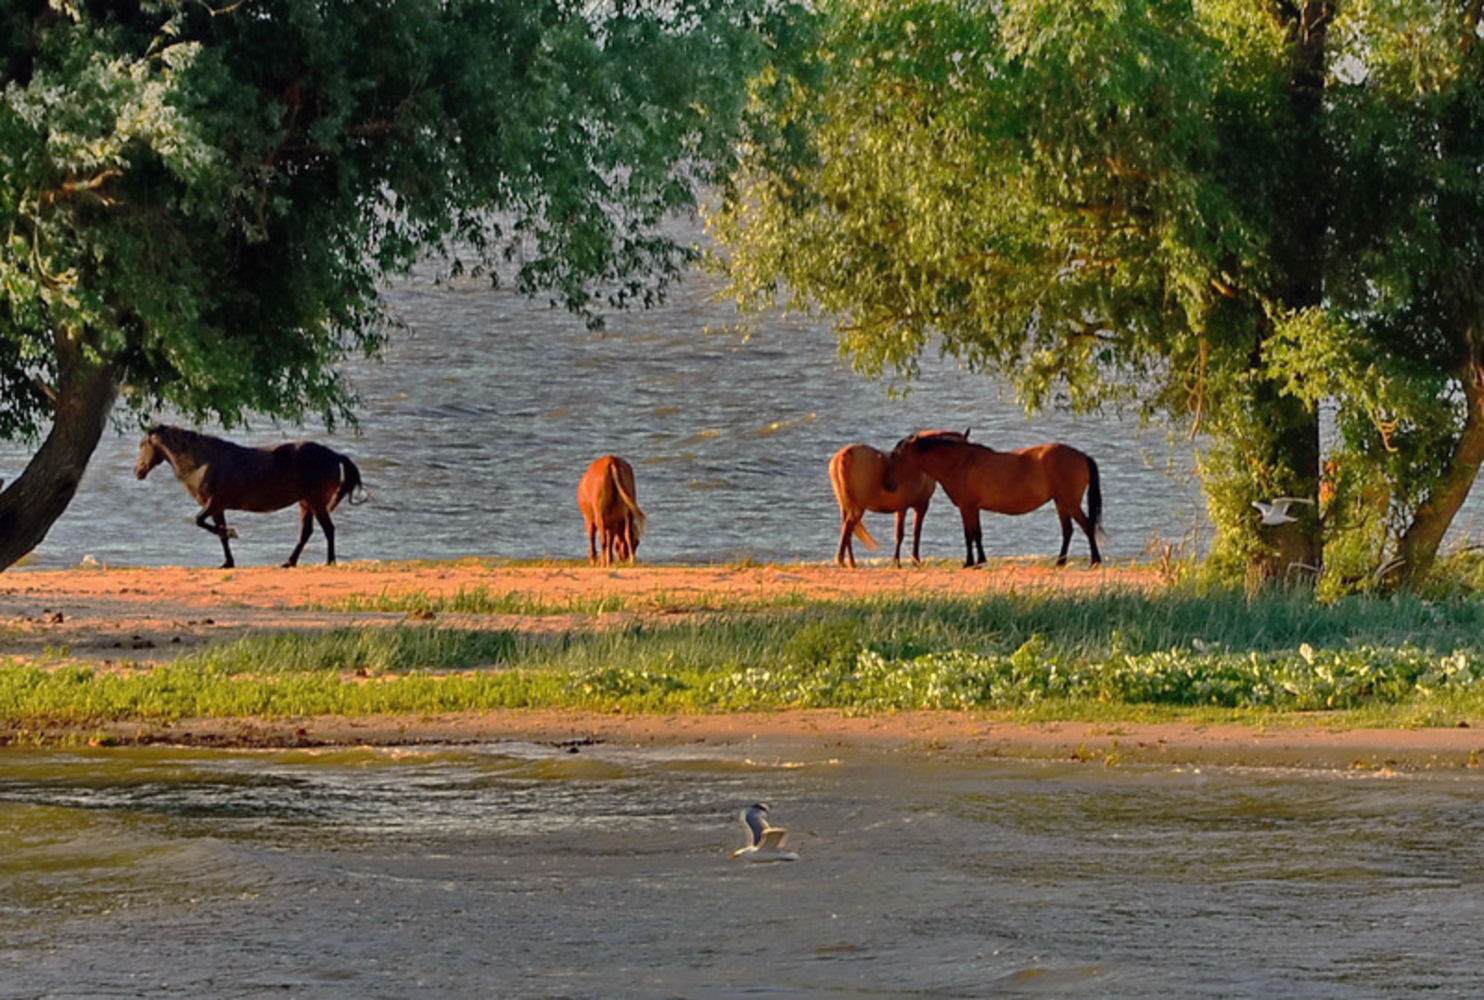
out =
column 1106, row 656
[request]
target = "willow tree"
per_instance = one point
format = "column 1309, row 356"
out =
column 1230, row 213
column 202, row 197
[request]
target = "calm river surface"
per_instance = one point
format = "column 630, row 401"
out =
column 488, row 407
column 520, row 870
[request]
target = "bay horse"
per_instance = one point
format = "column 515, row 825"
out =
column 977, row 478
column 223, row 476
column 859, row 474
column 610, row 511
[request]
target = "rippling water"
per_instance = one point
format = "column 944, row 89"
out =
column 488, row 408
column 529, row 871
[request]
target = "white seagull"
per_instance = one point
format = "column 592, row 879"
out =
column 1276, row 510
column 764, row 842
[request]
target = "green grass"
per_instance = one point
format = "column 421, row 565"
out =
column 1110, row 656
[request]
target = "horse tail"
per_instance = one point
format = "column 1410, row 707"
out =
column 630, row 504
column 350, row 481
column 1095, row 500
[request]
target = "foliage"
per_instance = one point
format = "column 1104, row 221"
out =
column 1225, row 213
column 208, row 197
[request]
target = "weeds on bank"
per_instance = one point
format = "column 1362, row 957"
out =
column 1107, row 656
column 480, row 601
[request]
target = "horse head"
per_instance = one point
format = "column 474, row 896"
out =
column 151, row 453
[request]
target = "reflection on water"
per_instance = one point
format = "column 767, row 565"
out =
column 525, row 870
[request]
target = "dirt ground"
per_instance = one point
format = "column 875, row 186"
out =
column 151, row 615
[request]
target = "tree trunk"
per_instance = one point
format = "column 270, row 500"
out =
column 1418, row 548
column 1294, row 550
column 31, row 505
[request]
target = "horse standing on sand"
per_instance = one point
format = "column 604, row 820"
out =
column 223, row 476
column 978, row 478
column 859, row 474
column 612, row 515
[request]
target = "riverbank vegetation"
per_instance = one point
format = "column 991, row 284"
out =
column 1185, row 653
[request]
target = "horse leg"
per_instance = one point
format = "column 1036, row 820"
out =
column 626, row 541
column 972, row 533
column 896, row 556
column 1085, row 523
column 917, row 535
column 328, row 527
column 219, row 529
column 845, row 554
column 306, row 528
column 1066, row 535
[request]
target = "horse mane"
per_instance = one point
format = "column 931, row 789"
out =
column 183, row 439
column 930, row 440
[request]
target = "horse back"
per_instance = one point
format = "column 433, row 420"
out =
column 272, row 477
column 1009, row 482
column 859, row 474
column 606, row 494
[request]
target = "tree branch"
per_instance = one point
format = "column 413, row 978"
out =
column 75, row 189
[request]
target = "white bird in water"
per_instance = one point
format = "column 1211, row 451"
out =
column 1276, row 510
column 765, row 843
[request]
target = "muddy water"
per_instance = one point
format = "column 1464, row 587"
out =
column 521, row 870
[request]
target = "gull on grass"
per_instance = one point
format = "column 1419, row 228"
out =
column 764, row 842
column 1275, row 511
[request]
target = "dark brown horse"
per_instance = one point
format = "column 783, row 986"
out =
column 612, row 515
column 1009, row 482
column 223, row 476
column 859, row 474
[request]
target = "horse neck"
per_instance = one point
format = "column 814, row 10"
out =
column 183, row 458
column 945, row 455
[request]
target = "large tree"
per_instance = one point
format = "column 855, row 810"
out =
column 1233, row 213
column 203, row 195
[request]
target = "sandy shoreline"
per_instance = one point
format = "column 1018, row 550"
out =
column 151, row 615
column 815, row 733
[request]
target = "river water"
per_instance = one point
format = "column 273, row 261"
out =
column 523, row 870
column 488, row 407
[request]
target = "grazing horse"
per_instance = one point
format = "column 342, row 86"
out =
column 612, row 515
column 223, row 476
column 859, row 474
column 1009, row 482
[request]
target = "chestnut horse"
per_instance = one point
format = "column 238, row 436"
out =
column 223, row 476
column 612, row 515
column 1009, row 482
column 859, row 474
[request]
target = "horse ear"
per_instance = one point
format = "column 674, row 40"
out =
column 966, row 434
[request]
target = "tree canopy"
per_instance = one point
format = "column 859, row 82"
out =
column 204, row 195
column 1228, row 213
